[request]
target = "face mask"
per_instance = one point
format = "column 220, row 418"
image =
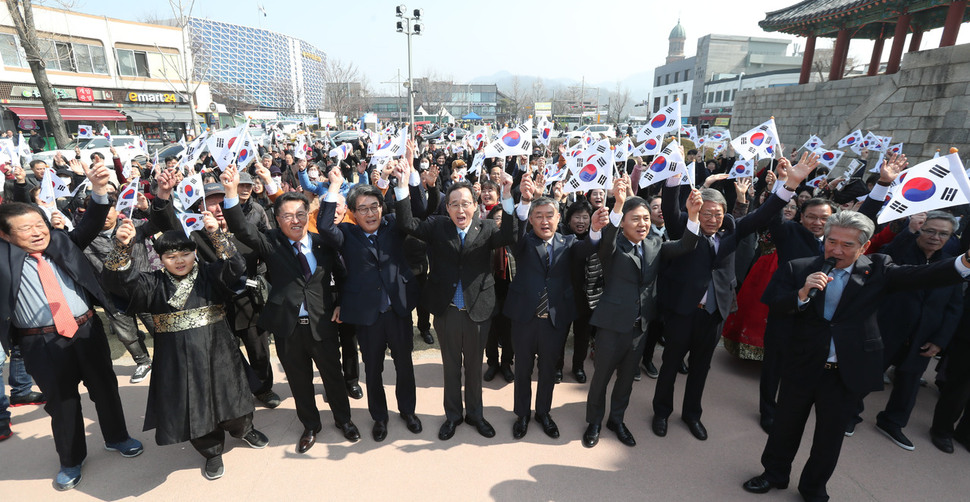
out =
column 277, row 180
column 313, row 173
column 425, row 166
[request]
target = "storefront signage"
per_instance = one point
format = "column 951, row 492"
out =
column 153, row 97
column 78, row 93
column 84, row 94
column 722, row 121
column 310, row 55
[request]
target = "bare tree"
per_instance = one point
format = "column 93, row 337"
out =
column 190, row 75
column 517, row 98
column 822, row 63
column 150, row 17
column 235, row 96
column 23, row 21
column 433, row 91
column 538, row 91
column 345, row 89
column 618, row 101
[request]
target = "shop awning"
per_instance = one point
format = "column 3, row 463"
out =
column 94, row 114
column 152, row 115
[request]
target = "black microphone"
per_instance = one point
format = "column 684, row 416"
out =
column 827, row 267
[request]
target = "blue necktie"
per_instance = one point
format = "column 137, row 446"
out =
column 833, row 292
column 459, row 299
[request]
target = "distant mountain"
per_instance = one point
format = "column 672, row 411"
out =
column 639, row 84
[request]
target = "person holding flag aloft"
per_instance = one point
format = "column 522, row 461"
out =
column 198, row 391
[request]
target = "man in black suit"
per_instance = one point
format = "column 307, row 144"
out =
column 48, row 289
column 460, row 291
column 803, row 239
column 631, row 262
column 540, row 301
column 835, row 353
column 300, row 311
column 377, row 295
column 698, row 290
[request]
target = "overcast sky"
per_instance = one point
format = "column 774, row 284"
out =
column 603, row 41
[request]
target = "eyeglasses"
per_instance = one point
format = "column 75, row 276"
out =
column 460, row 205
column 301, row 216
column 707, row 215
column 935, row 233
column 371, row 209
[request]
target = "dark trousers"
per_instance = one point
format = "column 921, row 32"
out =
column 654, row 329
column 462, row 342
column 620, row 353
column 955, row 395
column 424, row 317
column 902, row 399
column 581, row 336
column 349, row 357
column 500, row 332
column 834, row 406
column 256, row 342
column 697, row 333
column 125, row 327
column 389, row 331
column 58, row 365
column 211, row 444
column 300, row 352
column 532, row 338
column 776, row 337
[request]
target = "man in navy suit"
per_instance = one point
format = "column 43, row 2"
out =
column 377, row 295
column 540, row 301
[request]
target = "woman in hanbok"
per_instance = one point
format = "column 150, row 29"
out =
column 198, row 388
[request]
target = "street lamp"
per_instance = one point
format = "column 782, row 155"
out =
column 408, row 28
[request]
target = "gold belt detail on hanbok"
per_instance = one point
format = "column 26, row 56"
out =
column 188, row 319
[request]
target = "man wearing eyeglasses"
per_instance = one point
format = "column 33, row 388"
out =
column 698, row 291
column 301, row 311
column 378, row 294
column 460, row 292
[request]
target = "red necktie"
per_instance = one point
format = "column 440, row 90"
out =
column 304, row 263
column 63, row 318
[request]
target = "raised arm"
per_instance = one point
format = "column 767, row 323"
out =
column 325, row 225
column 236, row 221
column 97, row 210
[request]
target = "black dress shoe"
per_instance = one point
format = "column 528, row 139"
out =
column 659, row 425
column 767, row 423
column 508, row 374
column 760, row 484
column 622, row 433
column 548, row 425
column 652, row 371
column 426, row 336
column 354, row 391
column 943, row 443
column 490, row 373
column 350, row 431
column 447, row 429
column 591, row 436
column 683, row 368
column 269, row 399
column 413, row 423
column 520, row 427
column 307, row 440
column 580, row 375
column 27, row 399
column 484, row 428
column 380, row 430
column 697, row 429
column 558, row 376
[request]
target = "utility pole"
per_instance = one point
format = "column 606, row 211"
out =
column 405, row 26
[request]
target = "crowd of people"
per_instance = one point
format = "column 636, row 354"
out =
column 331, row 259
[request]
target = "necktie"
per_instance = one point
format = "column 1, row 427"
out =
column 304, row 264
column 63, row 318
column 373, row 239
column 543, row 308
column 711, row 303
column 459, row 299
column 548, row 249
column 821, row 248
column 833, row 292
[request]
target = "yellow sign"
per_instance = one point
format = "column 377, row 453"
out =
column 310, row 55
column 722, row 121
column 153, row 97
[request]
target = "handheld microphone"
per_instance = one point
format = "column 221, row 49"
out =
column 827, row 267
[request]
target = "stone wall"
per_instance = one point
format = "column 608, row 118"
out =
column 925, row 106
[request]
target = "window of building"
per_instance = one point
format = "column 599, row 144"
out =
column 667, row 79
column 132, row 63
column 686, row 74
column 728, row 95
column 10, row 51
column 659, row 78
column 656, row 104
column 717, row 96
column 683, row 99
column 676, row 77
column 665, row 100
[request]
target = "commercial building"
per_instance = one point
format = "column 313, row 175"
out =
column 440, row 99
column 267, row 69
column 123, row 74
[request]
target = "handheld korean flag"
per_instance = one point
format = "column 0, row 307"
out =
column 545, row 133
column 895, row 149
column 231, row 144
column 689, row 132
column 126, row 168
column 813, row 143
column 480, row 139
column 107, row 135
column 829, row 158
column 720, row 136
column 623, row 150
column 934, row 184
column 451, row 136
column 85, row 131
column 52, row 187
column 247, row 152
column 664, row 121
column 128, row 197
column 191, row 222
column 194, row 150
column 741, row 169
column 477, row 163
column 340, row 153
column 554, row 172
column 816, row 181
column 652, row 146
column 516, row 141
column 852, row 140
column 190, row 190
column 596, row 169
column 665, row 165
column 756, row 141
column 393, row 146
column 687, row 175
column 23, row 147
column 873, row 142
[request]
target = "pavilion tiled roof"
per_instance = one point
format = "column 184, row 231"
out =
column 866, row 18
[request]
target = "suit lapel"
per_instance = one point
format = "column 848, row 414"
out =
column 539, row 245
column 290, row 252
column 473, row 230
column 631, row 250
column 858, row 277
column 364, row 241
